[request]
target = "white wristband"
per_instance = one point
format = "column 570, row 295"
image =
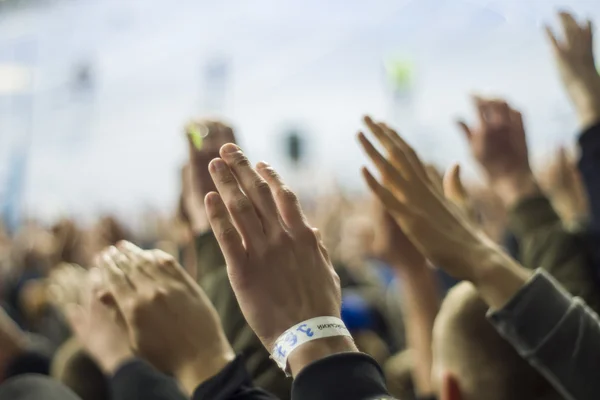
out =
column 297, row 335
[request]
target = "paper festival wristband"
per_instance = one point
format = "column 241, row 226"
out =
column 297, row 335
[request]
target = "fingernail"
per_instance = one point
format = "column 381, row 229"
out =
column 218, row 164
column 229, row 148
column 263, row 164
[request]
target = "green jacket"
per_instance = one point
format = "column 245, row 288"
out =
column 544, row 242
column 212, row 277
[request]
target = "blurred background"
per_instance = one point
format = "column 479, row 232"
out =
column 94, row 94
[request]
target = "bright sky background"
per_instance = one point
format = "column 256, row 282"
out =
column 317, row 65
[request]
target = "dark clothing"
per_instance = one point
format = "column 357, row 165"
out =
column 35, row 387
column 30, row 362
column 559, row 335
column 545, row 243
column 137, row 379
column 589, row 167
column 361, row 376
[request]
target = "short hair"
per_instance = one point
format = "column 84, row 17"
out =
column 78, row 371
column 485, row 365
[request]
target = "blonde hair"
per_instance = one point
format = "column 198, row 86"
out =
column 484, row 364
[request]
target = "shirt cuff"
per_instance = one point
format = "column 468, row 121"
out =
column 528, row 318
column 341, row 376
column 230, row 380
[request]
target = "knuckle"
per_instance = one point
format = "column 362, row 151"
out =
column 228, row 234
column 228, row 179
column 281, row 239
column 261, row 186
column 241, row 204
column 240, row 160
column 287, row 195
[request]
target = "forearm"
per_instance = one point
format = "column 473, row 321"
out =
column 420, row 295
column 556, row 333
column 544, row 242
column 589, row 167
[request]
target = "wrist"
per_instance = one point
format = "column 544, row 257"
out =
column 317, row 349
column 111, row 363
column 499, row 278
column 585, row 94
column 515, row 187
column 192, row 374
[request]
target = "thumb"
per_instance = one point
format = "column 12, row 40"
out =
column 465, row 128
column 454, row 189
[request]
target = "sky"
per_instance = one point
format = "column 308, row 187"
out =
column 313, row 66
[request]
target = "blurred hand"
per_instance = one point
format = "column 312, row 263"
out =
column 575, row 60
column 96, row 324
column 437, row 227
column 391, row 244
column 205, row 138
column 279, row 270
column 499, row 145
column 66, row 285
column 455, row 191
column 169, row 319
column 566, row 189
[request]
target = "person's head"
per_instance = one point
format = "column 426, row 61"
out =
column 472, row 361
column 79, row 372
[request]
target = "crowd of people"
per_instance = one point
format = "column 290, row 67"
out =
column 428, row 288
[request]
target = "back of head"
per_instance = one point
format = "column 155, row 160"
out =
column 76, row 370
column 484, row 365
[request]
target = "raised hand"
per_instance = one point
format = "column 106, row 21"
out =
column 455, row 191
column 499, row 145
column 574, row 57
column 436, row 226
column 204, row 138
column 564, row 185
column 279, row 270
column 93, row 317
column 391, row 245
column 169, row 319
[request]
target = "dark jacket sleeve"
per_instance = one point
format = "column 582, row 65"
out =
column 348, row 376
column 137, row 379
column 558, row 334
column 545, row 243
column 232, row 383
column 215, row 282
column 589, row 167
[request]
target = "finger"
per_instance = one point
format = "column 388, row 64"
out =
column 571, row 28
column 389, row 173
column 389, row 201
column 117, row 281
column 453, row 187
column 408, row 152
column 141, row 262
column 499, row 112
column 239, row 205
column 481, row 107
column 286, row 200
column 254, row 186
column 435, row 178
column 399, row 158
column 465, row 129
column 227, row 235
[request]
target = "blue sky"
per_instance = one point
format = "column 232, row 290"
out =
column 311, row 64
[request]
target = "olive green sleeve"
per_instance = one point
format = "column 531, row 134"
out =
column 215, row 282
column 544, row 242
